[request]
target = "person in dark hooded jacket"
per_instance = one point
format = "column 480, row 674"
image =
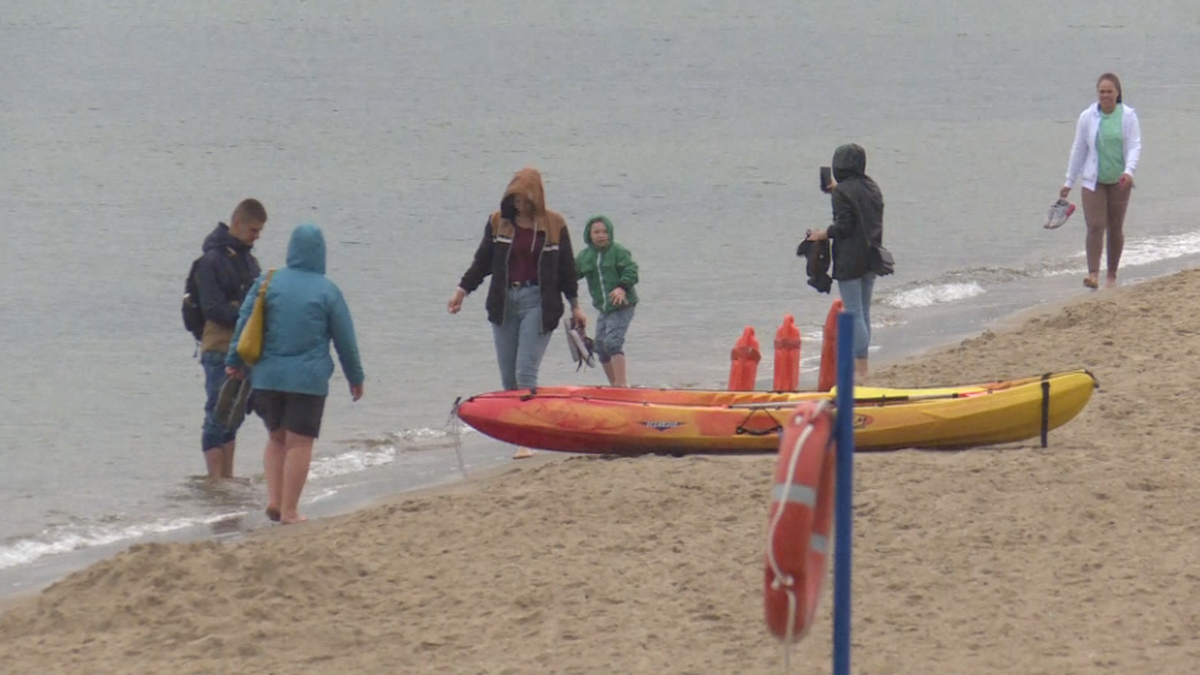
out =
column 526, row 249
column 856, row 234
column 224, row 273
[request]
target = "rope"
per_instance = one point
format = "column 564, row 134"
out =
column 455, row 430
column 786, row 580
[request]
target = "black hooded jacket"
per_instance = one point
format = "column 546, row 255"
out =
column 225, row 273
column 857, row 214
column 817, row 267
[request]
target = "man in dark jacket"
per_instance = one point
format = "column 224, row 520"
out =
column 225, row 272
column 857, row 232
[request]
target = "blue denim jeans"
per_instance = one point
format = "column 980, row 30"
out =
column 520, row 343
column 856, row 299
column 215, row 434
column 610, row 332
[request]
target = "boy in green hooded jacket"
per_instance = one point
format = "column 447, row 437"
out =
column 611, row 274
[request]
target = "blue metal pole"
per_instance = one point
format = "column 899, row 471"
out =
column 844, row 494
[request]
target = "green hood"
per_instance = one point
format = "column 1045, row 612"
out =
column 606, row 268
column 587, row 230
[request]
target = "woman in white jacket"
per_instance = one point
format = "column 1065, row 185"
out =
column 1108, row 143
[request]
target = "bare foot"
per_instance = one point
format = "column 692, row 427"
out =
column 292, row 520
column 1090, row 281
column 1110, row 282
column 273, row 513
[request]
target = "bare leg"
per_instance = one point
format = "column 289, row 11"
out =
column 227, row 460
column 1118, row 202
column 608, row 372
column 298, row 456
column 617, row 377
column 1095, row 214
column 214, row 460
column 273, row 456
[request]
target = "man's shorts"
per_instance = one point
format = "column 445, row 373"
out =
column 298, row 413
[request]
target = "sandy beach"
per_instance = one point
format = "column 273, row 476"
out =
column 1076, row 558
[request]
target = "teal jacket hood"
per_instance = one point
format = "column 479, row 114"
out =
column 306, row 250
column 305, row 313
column 587, row 230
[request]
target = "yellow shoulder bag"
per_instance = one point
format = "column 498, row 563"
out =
column 250, row 344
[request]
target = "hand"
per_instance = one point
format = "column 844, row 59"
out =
column 455, row 302
column 356, row 391
column 1126, row 181
column 617, row 296
column 818, row 235
column 1064, row 192
column 579, row 317
column 234, row 372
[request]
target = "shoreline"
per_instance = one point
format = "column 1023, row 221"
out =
column 1004, row 559
column 495, row 457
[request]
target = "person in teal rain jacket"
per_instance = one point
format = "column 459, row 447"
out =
column 305, row 311
column 611, row 274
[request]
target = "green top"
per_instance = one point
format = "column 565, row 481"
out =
column 1111, row 147
column 607, row 268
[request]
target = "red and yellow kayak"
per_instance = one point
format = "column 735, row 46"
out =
column 679, row 421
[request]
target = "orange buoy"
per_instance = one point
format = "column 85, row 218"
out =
column 744, row 359
column 828, row 375
column 799, row 521
column 787, row 356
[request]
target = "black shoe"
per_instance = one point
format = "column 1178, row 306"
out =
column 231, row 402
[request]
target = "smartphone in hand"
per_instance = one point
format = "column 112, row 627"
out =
column 826, row 178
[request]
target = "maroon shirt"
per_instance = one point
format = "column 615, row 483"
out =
column 523, row 255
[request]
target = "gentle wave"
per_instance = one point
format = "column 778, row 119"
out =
column 937, row 294
column 353, row 461
column 1155, row 249
column 363, row 456
column 65, row 539
column 963, row 284
column 374, row 452
column 1137, row 252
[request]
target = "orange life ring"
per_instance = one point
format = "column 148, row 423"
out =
column 800, row 521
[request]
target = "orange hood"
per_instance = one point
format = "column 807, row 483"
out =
column 528, row 183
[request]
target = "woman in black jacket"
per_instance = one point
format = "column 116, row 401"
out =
column 857, row 239
column 527, row 251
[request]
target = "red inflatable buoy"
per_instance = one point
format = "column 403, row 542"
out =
column 828, row 375
column 800, row 520
column 787, row 356
column 743, row 367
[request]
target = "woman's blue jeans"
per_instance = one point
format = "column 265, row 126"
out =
column 520, row 343
column 856, row 299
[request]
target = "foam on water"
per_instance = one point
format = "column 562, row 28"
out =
column 63, row 539
column 934, row 294
column 963, row 284
column 352, row 461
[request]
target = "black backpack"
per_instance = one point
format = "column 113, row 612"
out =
column 193, row 315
